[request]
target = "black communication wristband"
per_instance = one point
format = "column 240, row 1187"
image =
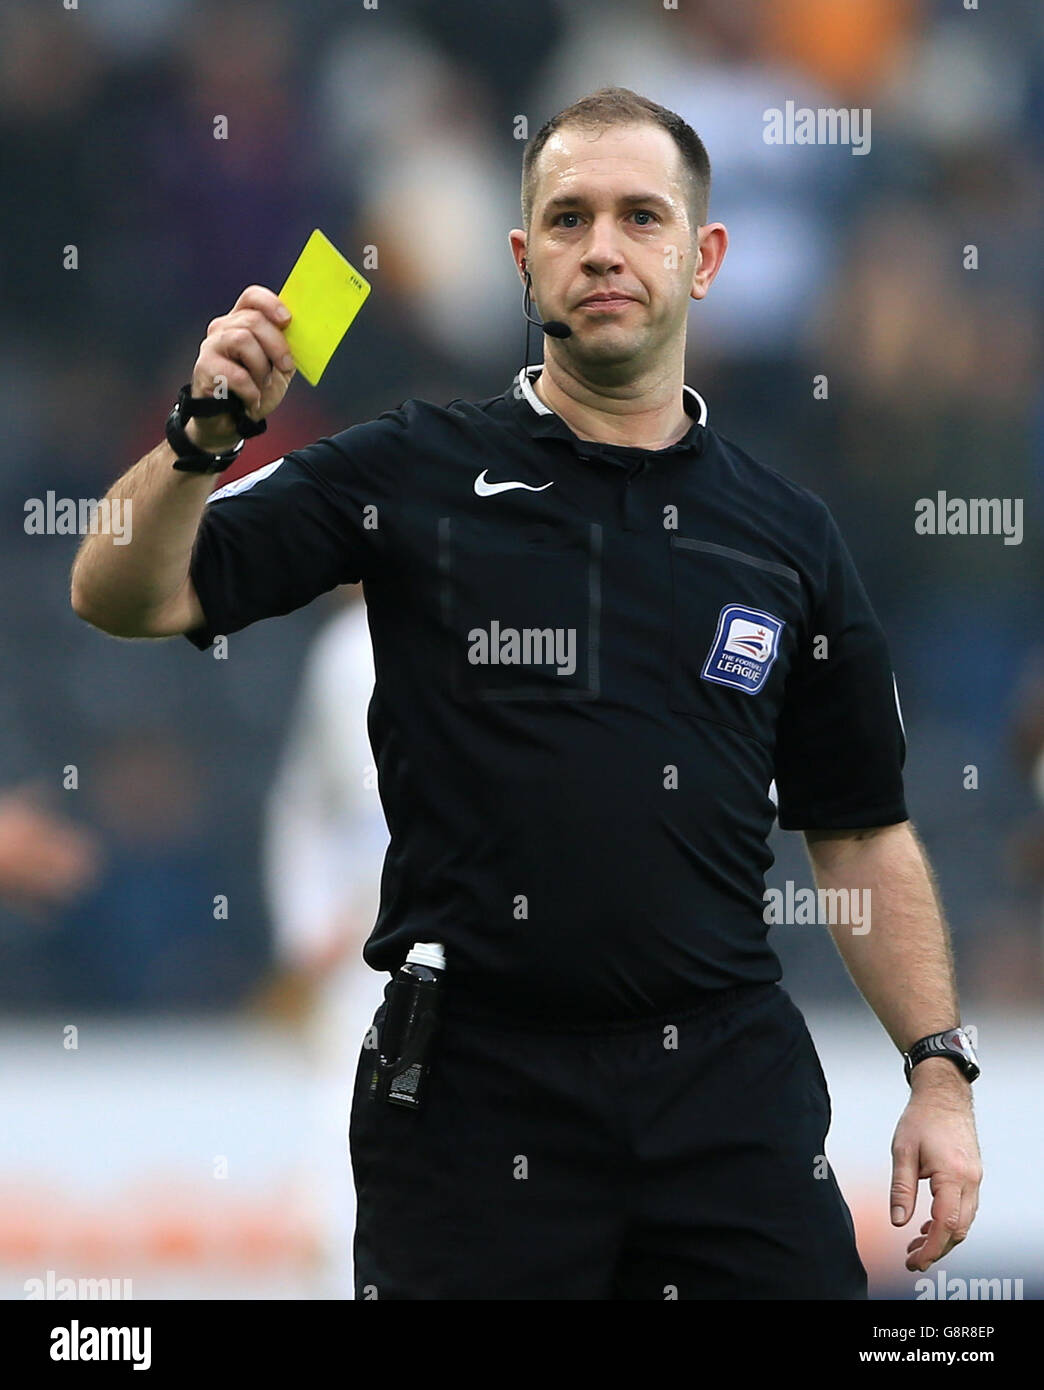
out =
column 189, row 457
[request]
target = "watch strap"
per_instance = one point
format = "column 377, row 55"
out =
column 189, row 405
column 951, row 1043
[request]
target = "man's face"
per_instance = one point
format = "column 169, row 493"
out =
column 610, row 215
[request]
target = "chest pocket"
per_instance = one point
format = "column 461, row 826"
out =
column 521, row 609
column 735, row 624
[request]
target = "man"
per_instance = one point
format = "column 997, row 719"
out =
column 601, row 632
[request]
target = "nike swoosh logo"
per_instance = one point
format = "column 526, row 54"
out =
column 484, row 489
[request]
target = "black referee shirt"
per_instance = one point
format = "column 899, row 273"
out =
column 592, row 664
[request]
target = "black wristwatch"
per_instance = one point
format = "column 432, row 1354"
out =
column 954, row 1043
column 192, row 459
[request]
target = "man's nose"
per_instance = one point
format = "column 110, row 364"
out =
column 602, row 248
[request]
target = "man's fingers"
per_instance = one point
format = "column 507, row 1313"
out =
column 969, row 1206
column 240, row 345
column 903, row 1193
column 265, row 300
column 235, row 354
column 270, row 339
column 946, row 1211
column 236, row 377
column 918, row 1241
column 244, row 354
column 248, row 348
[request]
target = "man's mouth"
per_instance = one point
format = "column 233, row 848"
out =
column 605, row 301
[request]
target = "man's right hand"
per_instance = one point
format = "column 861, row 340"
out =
column 145, row 589
column 246, row 350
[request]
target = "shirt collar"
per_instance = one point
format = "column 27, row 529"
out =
column 541, row 421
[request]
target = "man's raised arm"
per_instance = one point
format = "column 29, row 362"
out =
column 142, row 588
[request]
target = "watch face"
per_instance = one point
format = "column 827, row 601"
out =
column 957, row 1039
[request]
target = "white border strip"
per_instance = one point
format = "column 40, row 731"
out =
column 538, row 405
column 246, row 482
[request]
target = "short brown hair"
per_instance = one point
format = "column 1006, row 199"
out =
column 612, row 106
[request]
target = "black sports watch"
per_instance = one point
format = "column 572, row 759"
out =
column 192, row 459
column 954, row 1043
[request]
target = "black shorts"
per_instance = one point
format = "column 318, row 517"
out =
column 681, row 1157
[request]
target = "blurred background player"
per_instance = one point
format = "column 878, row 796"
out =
column 45, row 860
column 324, row 843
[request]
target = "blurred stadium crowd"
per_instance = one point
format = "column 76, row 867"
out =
column 132, row 774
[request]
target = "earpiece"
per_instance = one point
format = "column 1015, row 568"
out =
column 554, row 328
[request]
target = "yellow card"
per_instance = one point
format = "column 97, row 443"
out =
column 324, row 293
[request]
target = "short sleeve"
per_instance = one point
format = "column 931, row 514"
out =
column 840, row 744
column 275, row 539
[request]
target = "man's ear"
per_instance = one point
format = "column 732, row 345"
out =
column 517, row 242
column 713, row 243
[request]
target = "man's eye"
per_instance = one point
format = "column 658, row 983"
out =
column 639, row 212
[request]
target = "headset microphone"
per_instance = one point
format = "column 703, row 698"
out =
column 554, row 328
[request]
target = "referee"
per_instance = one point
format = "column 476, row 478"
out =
column 603, row 636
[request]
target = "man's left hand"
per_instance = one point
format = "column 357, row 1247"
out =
column 935, row 1139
